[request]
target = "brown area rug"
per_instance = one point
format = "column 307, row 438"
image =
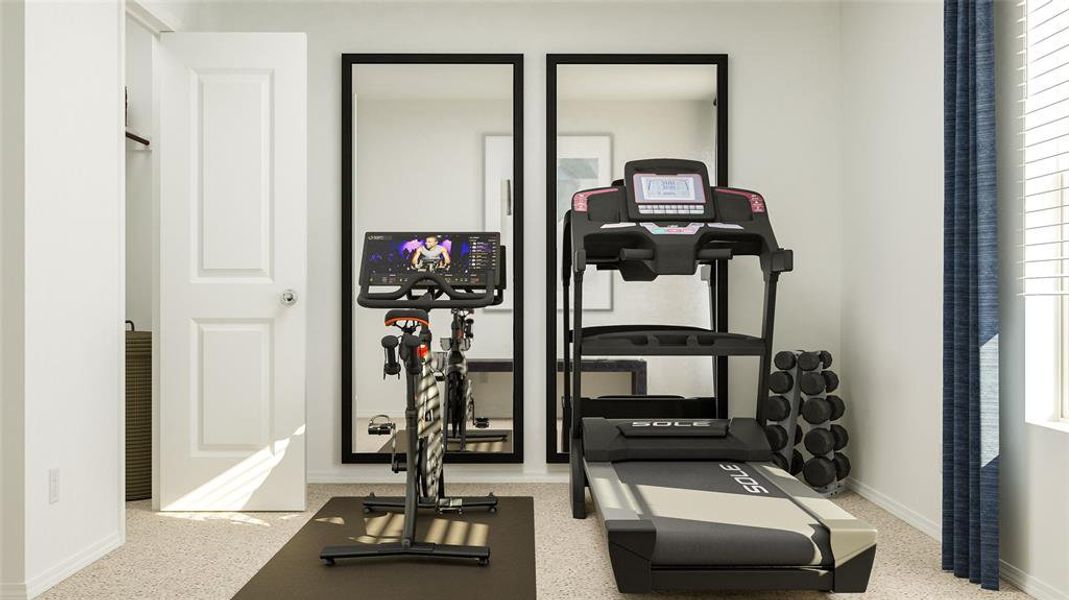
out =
column 296, row 571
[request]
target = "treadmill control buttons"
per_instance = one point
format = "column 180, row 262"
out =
column 671, row 209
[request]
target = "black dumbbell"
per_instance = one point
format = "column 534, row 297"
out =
column 797, row 434
column 811, row 382
column 838, row 407
column 808, row 361
column 797, row 462
column 825, row 358
column 780, row 461
column 842, row 466
column 780, row 382
column 819, row 441
column 819, row 471
column 842, row 438
column 784, row 360
column 831, row 381
column 777, row 408
column 816, row 410
column 777, row 436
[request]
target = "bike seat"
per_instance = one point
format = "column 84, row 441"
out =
column 407, row 314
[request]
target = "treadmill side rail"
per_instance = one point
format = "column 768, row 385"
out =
column 853, row 541
column 631, row 544
column 613, row 499
column 631, row 538
column 853, row 576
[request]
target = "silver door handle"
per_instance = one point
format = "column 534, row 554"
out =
column 289, row 297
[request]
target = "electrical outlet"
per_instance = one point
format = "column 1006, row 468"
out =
column 53, row 486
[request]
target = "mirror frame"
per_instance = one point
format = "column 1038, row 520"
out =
column 348, row 61
column 720, row 61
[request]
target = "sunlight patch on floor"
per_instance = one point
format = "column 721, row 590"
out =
column 233, row 517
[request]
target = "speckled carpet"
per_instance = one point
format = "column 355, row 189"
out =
column 193, row 556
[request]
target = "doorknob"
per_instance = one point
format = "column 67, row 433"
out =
column 289, row 297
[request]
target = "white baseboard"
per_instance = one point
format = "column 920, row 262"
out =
column 898, row 509
column 358, row 474
column 13, row 591
column 1014, row 576
column 1028, row 584
column 41, row 583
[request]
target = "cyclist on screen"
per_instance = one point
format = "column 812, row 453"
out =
column 431, row 256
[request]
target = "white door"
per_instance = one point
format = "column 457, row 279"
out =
column 232, row 244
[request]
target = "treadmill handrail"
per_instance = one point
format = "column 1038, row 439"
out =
column 713, row 248
column 702, row 255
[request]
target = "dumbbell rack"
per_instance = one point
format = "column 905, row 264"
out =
column 805, row 377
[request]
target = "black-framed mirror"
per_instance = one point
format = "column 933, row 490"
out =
column 433, row 143
column 603, row 110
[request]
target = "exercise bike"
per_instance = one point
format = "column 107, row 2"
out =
column 460, row 397
column 477, row 281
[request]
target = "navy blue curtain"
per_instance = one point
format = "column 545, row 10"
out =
column 970, row 295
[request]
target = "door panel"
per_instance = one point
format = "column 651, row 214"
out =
column 233, row 383
column 232, row 239
column 235, row 133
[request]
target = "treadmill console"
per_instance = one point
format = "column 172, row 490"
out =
column 668, row 190
column 662, row 218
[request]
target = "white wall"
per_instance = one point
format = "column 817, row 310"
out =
column 1034, row 461
column 892, row 66
column 12, row 401
column 167, row 15
column 4, row 85
column 780, row 53
column 71, row 301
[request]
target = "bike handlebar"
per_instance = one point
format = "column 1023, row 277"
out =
column 402, row 297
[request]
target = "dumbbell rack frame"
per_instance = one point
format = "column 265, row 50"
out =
column 794, row 397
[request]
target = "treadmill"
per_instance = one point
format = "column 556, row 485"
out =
column 690, row 499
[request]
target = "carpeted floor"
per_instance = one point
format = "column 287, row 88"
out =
column 192, row 556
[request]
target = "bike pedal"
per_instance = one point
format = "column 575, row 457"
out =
column 381, row 428
column 450, row 505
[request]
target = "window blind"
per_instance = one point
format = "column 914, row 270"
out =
column 1046, row 148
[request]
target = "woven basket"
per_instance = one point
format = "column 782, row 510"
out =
column 138, row 415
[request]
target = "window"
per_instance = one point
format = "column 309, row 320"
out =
column 1045, row 260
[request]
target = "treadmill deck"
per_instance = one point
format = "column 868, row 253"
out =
column 718, row 513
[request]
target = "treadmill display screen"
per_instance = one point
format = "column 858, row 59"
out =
column 463, row 259
column 684, row 188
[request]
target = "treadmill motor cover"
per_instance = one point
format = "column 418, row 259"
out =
column 611, row 440
column 710, row 428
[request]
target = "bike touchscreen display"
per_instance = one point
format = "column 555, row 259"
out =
column 463, row 259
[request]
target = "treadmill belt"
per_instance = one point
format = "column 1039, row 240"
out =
column 722, row 513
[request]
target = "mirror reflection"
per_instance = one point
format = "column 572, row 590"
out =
column 607, row 115
column 433, row 167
